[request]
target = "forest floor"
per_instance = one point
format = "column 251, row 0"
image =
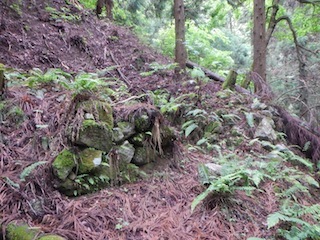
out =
column 158, row 207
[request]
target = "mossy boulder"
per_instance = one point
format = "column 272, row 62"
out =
column 20, row 232
column 76, row 185
column 143, row 155
column 125, row 152
column 102, row 111
column 64, row 163
column 167, row 135
column 265, row 130
column 127, row 128
column 139, row 139
column 95, row 135
column 123, row 131
column 89, row 158
column 142, row 123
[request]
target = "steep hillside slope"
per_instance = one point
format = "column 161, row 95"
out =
column 259, row 184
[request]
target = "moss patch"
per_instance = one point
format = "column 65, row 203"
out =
column 95, row 135
column 102, row 111
column 88, row 158
column 63, row 164
column 22, row 232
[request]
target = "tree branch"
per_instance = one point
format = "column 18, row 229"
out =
column 273, row 21
column 309, row 1
column 294, row 34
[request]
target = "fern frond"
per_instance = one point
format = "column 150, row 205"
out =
column 26, row 172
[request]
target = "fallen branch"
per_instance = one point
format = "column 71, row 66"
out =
column 124, row 78
column 216, row 77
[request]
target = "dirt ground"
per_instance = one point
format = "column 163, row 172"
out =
column 154, row 208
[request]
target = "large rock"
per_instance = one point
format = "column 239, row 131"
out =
column 123, row 131
column 95, row 135
column 143, row 155
column 125, row 152
column 265, row 130
column 167, row 136
column 89, row 159
column 63, row 165
column 101, row 111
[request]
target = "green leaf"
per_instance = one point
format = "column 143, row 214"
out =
column 274, row 218
column 195, row 112
column 250, row 119
column 306, row 146
column 190, row 129
column 26, row 172
column 311, row 181
column 201, row 141
column 301, row 160
column 91, row 181
column 204, row 176
column 200, row 198
column 12, row 183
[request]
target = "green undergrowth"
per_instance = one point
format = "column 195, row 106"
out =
column 293, row 178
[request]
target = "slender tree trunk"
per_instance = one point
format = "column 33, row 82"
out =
column 180, row 31
column 2, row 82
column 259, row 43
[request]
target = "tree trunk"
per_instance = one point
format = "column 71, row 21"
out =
column 259, row 42
column 180, row 48
column 2, row 83
column 230, row 81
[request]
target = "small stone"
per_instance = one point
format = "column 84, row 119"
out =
column 88, row 116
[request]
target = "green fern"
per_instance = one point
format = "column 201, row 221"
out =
column 292, row 213
column 27, row 171
column 37, row 76
column 12, row 183
column 189, row 127
column 225, row 184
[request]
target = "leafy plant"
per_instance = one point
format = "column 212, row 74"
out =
column 27, row 171
column 158, row 68
column 37, row 77
column 189, row 127
column 292, row 214
column 225, row 184
column 64, row 14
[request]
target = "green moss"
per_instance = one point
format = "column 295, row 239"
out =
column 101, row 110
column 143, row 155
column 167, row 135
column 51, row 237
column 139, row 139
column 89, row 159
column 16, row 115
column 22, row 232
column 2, row 106
column 142, row 123
column 63, row 164
column 95, row 135
column 89, row 123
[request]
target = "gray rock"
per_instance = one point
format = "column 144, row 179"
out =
column 265, row 130
column 127, row 129
column 125, row 152
column 214, row 169
column 143, row 155
column 95, row 135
